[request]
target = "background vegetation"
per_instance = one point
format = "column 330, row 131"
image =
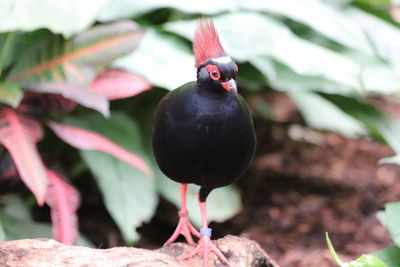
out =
column 61, row 63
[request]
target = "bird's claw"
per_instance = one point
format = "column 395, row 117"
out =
column 206, row 246
column 184, row 228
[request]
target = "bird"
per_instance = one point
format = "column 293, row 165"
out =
column 203, row 133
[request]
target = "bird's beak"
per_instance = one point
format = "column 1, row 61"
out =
column 230, row 85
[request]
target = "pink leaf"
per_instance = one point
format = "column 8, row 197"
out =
column 88, row 140
column 19, row 135
column 63, row 200
column 73, row 92
column 117, row 84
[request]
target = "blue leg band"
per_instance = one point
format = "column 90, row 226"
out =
column 205, row 231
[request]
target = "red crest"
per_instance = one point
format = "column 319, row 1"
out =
column 206, row 43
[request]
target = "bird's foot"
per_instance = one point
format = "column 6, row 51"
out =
column 206, row 246
column 184, row 228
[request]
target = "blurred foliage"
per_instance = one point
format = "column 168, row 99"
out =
column 363, row 261
column 16, row 222
column 328, row 56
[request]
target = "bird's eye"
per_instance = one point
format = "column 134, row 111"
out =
column 214, row 72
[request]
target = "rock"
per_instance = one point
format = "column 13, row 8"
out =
column 50, row 253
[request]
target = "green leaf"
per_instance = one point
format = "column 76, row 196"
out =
column 2, row 232
column 274, row 39
column 58, row 66
column 10, row 94
column 363, row 261
column 366, row 261
column 263, row 109
column 15, row 207
column 380, row 78
column 6, row 41
column 129, row 195
column 222, row 204
column 378, row 123
column 381, row 216
column 163, row 60
column 17, row 223
column 321, row 114
column 280, row 77
column 319, row 16
column 66, row 17
column 131, row 8
column 53, row 58
column 338, row 3
column 251, row 78
column 384, row 36
column 390, row 160
column 390, row 256
column 392, row 215
column 376, row 2
column 14, row 44
column 21, row 229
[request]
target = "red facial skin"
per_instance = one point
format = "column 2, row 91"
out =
column 216, row 75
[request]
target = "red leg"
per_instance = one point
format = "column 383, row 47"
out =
column 205, row 245
column 184, row 227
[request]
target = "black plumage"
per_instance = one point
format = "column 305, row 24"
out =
column 203, row 134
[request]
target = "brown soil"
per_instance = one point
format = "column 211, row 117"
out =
column 302, row 184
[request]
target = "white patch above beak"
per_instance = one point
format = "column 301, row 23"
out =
column 223, row 60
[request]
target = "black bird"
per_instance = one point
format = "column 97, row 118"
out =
column 203, row 133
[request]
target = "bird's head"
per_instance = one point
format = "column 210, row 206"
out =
column 215, row 70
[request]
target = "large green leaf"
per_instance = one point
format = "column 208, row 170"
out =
column 384, row 36
column 162, row 60
column 319, row 16
column 222, row 204
column 66, row 16
column 280, row 77
column 130, row 8
column 274, row 39
column 10, row 94
column 378, row 123
column 321, row 114
column 380, row 78
column 318, row 112
column 390, row 256
column 56, row 59
column 55, row 65
column 129, row 195
column 17, row 222
column 377, row 76
column 392, row 219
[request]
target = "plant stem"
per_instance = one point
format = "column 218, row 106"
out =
column 332, row 250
